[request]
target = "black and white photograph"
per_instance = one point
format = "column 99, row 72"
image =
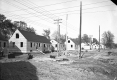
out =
column 58, row 40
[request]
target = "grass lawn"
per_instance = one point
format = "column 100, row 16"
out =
column 21, row 70
column 93, row 66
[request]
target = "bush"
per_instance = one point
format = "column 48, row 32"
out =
column 30, row 56
column 52, row 56
column 46, row 52
column 52, row 49
column 11, row 55
column 109, row 53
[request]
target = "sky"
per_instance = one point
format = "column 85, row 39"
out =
column 41, row 14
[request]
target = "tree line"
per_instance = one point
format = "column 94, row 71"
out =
column 7, row 28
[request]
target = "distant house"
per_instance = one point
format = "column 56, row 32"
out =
column 96, row 46
column 85, row 46
column 55, row 45
column 72, row 44
column 3, row 44
column 24, row 41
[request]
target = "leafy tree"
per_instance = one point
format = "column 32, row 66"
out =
column 46, row 33
column 6, row 27
column 60, row 39
column 115, row 45
column 23, row 26
column 2, row 18
column 108, row 39
column 95, row 41
column 85, row 38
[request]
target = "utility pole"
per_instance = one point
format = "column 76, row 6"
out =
column 99, row 38
column 66, row 32
column 80, row 27
column 58, row 38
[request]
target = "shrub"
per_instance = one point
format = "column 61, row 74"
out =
column 52, row 56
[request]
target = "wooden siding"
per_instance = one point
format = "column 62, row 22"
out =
column 36, row 48
column 54, row 43
column 69, row 45
column 18, row 41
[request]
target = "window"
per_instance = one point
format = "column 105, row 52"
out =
column 36, row 47
column 13, row 44
column 4, row 44
column 17, row 35
column 56, row 45
column 71, row 46
column 0, row 44
column 30, row 44
column 48, row 45
column 30, row 50
column 44, row 45
column 21, row 44
column 68, row 41
column 39, row 44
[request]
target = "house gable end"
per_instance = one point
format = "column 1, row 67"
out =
column 14, row 35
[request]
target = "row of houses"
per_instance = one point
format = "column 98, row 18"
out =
column 24, row 41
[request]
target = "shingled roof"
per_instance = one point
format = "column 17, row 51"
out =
column 31, row 36
column 75, row 41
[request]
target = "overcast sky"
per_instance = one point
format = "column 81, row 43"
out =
column 41, row 14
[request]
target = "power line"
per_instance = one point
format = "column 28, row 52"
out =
column 86, row 4
column 57, row 9
column 86, row 12
column 47, row 11
column 45, row 5
column 31, row 21
column 26, row 11
column 33, row 9
column 74, row 10
column 20, row 8
column 37, row 15
column 83, row 13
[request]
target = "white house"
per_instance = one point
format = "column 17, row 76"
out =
column 96, row 46
column 72, row 44
column 24, row 41
column 55, row 45
column 85, row 46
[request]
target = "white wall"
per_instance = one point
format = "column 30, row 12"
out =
column 54, row 43
column 83, row 45
column 17, row 43
column 69, row 45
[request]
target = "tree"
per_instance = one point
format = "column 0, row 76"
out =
column 6, row 27
column 23, row 26
column 95, row 41
column 62, row 38
column 55, row 36
column 46, row 33
column 108, row 39
column 85, row 38
column 2, row 18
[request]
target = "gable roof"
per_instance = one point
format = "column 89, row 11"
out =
column 75, row 41
column 60, row 42
column 2, row 38
column 31, row 36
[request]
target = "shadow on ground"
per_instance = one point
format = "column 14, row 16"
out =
column 18, row 71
